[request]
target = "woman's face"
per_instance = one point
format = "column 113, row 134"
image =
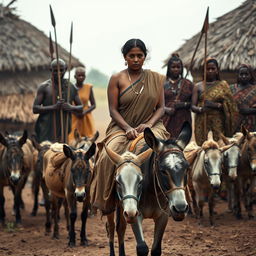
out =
column 211, row 71
column 175, row 69
column 135, row 58
column 244, row 75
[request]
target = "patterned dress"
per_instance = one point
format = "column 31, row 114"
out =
column 180, row 91
column 245, row 97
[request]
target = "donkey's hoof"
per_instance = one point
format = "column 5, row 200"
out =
column 84, row 243
column 142, row 249
column 33, row 213
column 55, row 236
column 239, row 216
column 71, row 244
column 250, row 216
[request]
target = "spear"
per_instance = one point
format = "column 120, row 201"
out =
column 51, row 49
column 205, row 30
column 58, row 70
column 69, row 69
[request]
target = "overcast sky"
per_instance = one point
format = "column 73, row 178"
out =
column 101, row 27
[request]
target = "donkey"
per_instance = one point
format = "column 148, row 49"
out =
column 244, row 187
column 69, row 177
column 39, row 181
column 128, row 181
column 230, row 164
column 205, row 176
column 15, row 164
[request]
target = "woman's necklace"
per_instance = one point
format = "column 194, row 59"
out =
column 132, row 84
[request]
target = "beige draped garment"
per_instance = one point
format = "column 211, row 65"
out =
column 136, row 108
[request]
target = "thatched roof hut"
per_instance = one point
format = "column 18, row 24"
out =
column 231, row 40
column 24, row 64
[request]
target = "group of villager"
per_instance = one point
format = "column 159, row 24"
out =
column 144, row 167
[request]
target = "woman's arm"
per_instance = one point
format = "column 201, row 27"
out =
column 92, row 103
column 113, row 94
column 194, row 106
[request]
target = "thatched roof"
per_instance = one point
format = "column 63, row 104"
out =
column 231, row 40
column 22, row 46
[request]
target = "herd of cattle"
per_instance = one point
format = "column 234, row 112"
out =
column 177, row 176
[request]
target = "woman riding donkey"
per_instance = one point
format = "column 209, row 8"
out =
column 136, row 102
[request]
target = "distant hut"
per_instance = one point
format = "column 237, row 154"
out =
column 231, row 40
column 24, row 64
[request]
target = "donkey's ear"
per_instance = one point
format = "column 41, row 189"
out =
column 142, row 157
column 245, row 132
column 23, row 139
column 95, row 136
column 114, row 157
column 77, row 135
column 223, row 137
column 90, row 152
column 35, row 144
column 69, row 153
column 184, row 136
column 151, row 140
column 210, row 135
column 3, row 140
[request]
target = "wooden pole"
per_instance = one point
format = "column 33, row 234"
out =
column 51, row 49
column 58, row 70
column 69, row 69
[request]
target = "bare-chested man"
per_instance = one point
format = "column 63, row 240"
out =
column 45, row 106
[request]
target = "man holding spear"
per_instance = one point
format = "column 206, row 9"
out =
column 45, row 107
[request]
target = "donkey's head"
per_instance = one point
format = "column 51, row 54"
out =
column 14, row 155
column 128, row 180
column 83, row 142
column 80, row 169
column 249, row 148
column 170, row 169
column 212, row 160
column 232, row 154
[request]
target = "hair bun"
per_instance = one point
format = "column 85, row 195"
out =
column 175, row 54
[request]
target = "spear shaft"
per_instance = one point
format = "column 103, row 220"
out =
column 69, row 69
column 51, row 49
column 58, row 70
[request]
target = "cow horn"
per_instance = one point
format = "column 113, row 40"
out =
column 142, row 157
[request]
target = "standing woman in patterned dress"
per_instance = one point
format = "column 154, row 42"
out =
column 178, row 96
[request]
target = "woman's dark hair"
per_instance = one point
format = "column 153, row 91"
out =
column 174, row 58
column 251, row 71
column 132, row 43
column 215, row 62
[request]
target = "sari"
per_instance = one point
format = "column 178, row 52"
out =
column 217, row 120
column 84, row 125
column 245, row 98
column 135, row 108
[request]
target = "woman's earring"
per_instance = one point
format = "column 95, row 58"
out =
column 125, row 63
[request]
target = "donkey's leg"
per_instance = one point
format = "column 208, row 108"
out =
column 2, row 201
column 54, row 201
column 72, row 217
column 160, row 225
column 84, row 216
column 142, row 248
column 120, row 229
column 66, row 212
column 110, row 227
column 248, row 203
column 211, row 208
column 17, row 200
column 47, row 206
column 237, row 199
column 36, row 186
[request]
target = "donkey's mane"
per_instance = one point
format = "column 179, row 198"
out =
column 128, row 156
column 210, row 144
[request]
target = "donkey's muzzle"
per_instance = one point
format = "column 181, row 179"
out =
column 80, row 194
column 15, row 178
column 179, row 211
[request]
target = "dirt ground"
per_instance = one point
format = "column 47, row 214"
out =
column 229, row 237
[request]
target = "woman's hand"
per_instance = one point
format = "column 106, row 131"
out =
column 131, row 134
column 142, row 127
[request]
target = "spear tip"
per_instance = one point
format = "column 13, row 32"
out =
column 71, row 33
column 52, row 17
